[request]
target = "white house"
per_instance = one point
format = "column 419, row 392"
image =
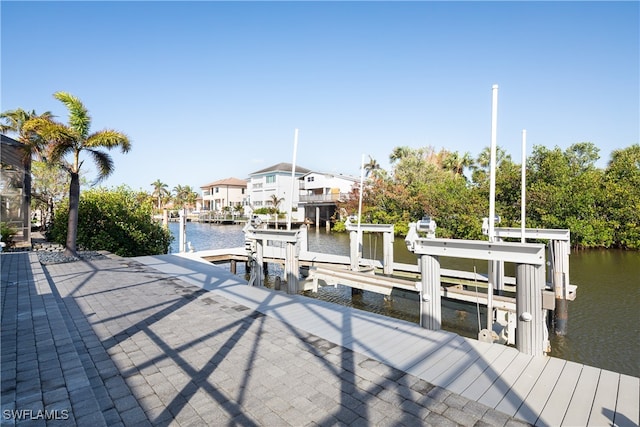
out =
column 274, row 184
column 229, row 192
column 319, row 193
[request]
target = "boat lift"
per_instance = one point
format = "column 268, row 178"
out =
column 257, row 240
column 559, row 250
column 531, row 336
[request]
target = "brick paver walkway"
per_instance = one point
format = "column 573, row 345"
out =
column 113, row 342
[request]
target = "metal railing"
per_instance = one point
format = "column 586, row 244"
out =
column 311, row 198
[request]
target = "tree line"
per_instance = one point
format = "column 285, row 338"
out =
column 564, row 189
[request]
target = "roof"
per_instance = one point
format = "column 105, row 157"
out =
column 282, row 167
column 231, row 182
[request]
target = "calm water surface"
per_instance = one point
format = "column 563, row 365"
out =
column 604, row 320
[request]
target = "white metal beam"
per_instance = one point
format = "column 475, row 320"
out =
column 520, row 253
column 273, row 235
column 533, row 233
column 374, row 228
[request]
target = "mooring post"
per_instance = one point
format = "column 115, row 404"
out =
column 430, row 307
column 182, row 237
column 560, row 279
column 233, row 266
column 303, row 239
column 259, row 273
column 387, row 242
column 354, row 250
column 530, row 329
column 291, row 268
column 165, row 218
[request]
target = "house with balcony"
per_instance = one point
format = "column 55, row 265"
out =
column 274, row 184
column 228, row 192
column 319, row 193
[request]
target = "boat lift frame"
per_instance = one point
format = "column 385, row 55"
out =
column 531, row 330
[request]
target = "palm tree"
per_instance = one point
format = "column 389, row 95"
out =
column 184, row 196
column 371, row 166
column 32, row 144
column 399, row 153
column 73, row 139
column 160, row 191
column 275, row 202
column 456, row 163
column 484, row 158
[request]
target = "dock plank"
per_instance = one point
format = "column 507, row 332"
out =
column 539, row 395
column 503, row 381
column 476, row 370
column 604, row 402
column 559, row 399
column 421, row 351
column 449, row 358
column 440, row 352
column 476, row 350
column 512, row 401
column 628, row 406
column 582, row 398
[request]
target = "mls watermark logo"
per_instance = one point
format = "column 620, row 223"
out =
column 30, row 414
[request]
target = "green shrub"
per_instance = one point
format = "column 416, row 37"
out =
column 261, row 211
column 7, row 233
column 116, row 220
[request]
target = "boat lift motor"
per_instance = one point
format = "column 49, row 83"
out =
column 428, row 226
column 425, row 225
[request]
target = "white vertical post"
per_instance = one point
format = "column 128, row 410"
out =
column 259, row 259
column 292, row 267
column 430, row 299
column 492, row 172
column 293, row 178
column 182, row 233
column 360, row 211
column 387, row 239
column 492, row 200
column 354, row 245
column 530, row 329
column 523, row 191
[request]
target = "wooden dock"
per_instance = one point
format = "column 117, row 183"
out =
column 543, row 391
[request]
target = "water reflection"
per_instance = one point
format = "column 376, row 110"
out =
column 604, row 320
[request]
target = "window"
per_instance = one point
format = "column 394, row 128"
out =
column 310, row 178
column 271, row 179
column 217, row 189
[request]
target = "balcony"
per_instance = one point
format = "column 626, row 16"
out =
column 323, row 198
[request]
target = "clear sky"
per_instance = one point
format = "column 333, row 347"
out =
column 210, row 90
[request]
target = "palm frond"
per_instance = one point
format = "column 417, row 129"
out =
column 104, row 162
column 109, row 139
column 60, row 140
column 79, row 118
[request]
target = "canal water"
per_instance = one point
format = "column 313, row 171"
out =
column 604, row 320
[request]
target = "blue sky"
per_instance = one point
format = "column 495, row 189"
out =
column 210, row 90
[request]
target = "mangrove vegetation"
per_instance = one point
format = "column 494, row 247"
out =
column 564, row 189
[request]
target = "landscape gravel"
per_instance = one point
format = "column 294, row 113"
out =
column 58, row 257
